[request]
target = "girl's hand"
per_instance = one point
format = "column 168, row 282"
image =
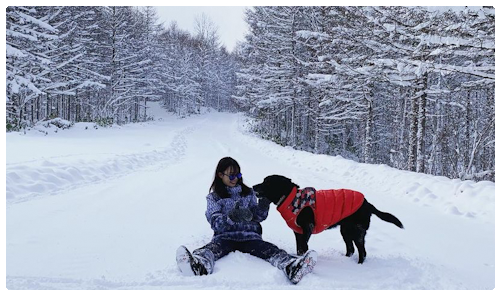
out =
column 240, row 215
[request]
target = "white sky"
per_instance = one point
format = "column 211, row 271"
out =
column 228, row 19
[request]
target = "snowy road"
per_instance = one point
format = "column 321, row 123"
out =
column 106, row 209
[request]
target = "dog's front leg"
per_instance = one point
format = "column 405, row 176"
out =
column 303, row 239
column 305, row 220
column 301, row 243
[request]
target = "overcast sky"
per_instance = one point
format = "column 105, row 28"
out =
column 228, row 19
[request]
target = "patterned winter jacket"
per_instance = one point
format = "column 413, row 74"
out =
column 329, row 206
column 224, row 228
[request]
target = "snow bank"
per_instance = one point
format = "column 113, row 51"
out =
column 51, row 176
column 57, row 155
column 452, row 196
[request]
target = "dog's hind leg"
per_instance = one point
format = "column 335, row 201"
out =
column 347, row 235
column 359, row 240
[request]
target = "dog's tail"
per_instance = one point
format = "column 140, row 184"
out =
column 386, row 216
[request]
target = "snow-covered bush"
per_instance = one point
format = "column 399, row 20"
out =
column 58, row 122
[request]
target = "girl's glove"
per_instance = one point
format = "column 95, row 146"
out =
column 264, row 203
column 239, row 215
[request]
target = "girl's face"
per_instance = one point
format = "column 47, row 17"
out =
column 225, row 177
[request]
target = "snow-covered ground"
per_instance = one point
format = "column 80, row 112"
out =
column 107, row 208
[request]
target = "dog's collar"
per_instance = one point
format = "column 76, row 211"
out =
column 284, row 197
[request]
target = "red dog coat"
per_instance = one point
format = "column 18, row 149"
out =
column 329, row 206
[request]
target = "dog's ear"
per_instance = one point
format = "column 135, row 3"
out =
column 291, row 182
column 280, row 178
column 267, row 179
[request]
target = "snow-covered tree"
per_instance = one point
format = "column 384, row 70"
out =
column 31, row 44
column 396, row 85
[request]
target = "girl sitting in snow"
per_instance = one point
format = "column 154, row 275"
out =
column 235, row 216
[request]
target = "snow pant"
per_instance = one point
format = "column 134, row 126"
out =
column 219, row 248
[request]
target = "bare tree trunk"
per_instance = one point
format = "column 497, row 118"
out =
column 368, row 132
column 412, row 136
column 422, row 102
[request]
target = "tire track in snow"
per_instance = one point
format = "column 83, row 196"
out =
column 24, row 183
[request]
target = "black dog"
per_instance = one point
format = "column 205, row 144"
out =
column 298, row 207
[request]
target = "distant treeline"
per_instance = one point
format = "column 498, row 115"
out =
column 103, row 64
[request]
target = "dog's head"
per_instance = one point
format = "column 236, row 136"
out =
column 274, row 187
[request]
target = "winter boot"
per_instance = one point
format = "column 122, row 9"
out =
column 300, row 266
column 188, row 264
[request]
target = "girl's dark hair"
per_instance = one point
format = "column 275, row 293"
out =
column 218, row 186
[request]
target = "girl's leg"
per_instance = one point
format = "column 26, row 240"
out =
column 212, row 252
column 267, row 251
column 295, row 268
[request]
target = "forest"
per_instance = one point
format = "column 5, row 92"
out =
column 103, row 64
column 408, row 87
